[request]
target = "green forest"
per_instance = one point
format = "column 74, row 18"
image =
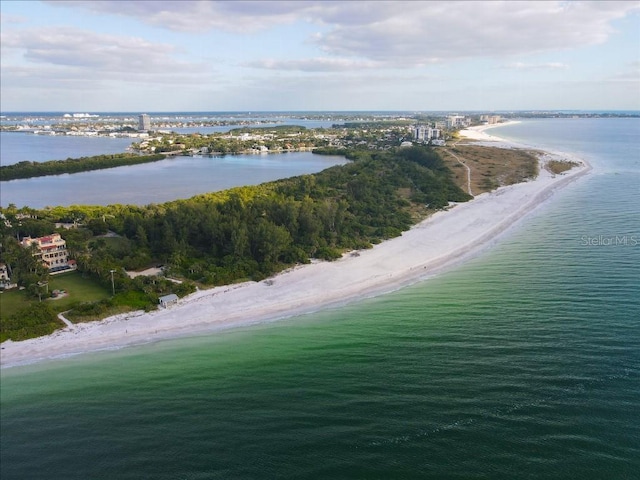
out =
column 246, row 233
column 29, row 169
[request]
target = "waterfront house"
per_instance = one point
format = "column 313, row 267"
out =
column 51, row 250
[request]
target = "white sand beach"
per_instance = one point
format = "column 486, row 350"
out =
column 443, row 240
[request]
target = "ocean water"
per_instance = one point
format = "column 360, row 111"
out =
column 522, row 363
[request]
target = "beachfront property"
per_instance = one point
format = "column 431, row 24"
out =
column 490, row 119
column 144, row 122
column 457, row 121
column 424, row 133
column 52, row 251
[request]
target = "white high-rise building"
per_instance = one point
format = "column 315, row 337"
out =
column 457, row 121
column 144, row 122
column 423, row 133
column 420, row 133
column 490, row 119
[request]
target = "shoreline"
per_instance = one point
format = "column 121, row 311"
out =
column 438, row 243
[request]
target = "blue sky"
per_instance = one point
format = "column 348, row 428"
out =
column 319, row 55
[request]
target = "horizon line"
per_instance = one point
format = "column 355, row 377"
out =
column 138, row 112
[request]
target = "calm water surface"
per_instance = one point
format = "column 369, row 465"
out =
column 157, row 182
column 19, row 146
column 522, row 363
column 180, row 177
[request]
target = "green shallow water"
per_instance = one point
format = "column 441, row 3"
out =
column 522, row 363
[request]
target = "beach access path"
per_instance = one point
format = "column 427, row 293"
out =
column 464, row 164
column 445, row 239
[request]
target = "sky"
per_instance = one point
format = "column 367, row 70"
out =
column 106, row 56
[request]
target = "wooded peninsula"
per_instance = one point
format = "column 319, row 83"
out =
column 246, row 233
column 29, row 169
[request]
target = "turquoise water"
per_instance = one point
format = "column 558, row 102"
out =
column 522, row 363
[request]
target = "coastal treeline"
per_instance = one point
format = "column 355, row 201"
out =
column 29, row 169
column 249, row 233
column 253, row 232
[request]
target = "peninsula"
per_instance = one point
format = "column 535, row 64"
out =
column 441, row 241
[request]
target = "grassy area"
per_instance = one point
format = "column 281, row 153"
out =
column 11, row 301
column 121, row 303
column 79, row 289
column 491, row 167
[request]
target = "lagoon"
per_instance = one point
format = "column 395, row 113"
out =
column 170, row 179
column 162, row 181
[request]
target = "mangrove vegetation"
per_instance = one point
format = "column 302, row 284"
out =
column 28, row 169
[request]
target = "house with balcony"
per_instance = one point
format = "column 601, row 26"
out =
column 51, row 251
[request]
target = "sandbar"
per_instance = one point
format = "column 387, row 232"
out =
column 443, row 240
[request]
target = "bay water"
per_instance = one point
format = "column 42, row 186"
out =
column 157, row 182
column 522, row 363
column 162, row 181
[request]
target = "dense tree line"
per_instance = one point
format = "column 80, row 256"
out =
column 252, row 232
column 29, row 169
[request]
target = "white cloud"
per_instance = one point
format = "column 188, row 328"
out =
column 399, row 33
column 537, row 66
column 424, row 32
column 199, row 15
column 321, row 64
column 346, row 64
column 79, row 54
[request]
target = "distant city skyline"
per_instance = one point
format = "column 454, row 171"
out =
column 154, row 56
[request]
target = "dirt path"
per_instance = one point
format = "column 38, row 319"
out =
column 459, row 160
